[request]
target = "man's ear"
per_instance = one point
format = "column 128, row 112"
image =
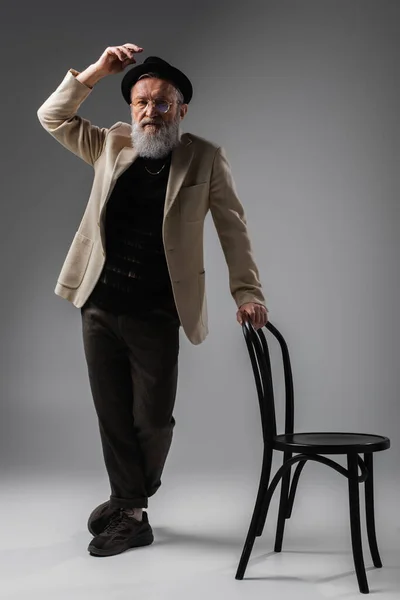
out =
column 183, row 110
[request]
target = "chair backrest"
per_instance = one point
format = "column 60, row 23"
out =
column 260, row 361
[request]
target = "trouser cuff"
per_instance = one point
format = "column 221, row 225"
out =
column 128, row 502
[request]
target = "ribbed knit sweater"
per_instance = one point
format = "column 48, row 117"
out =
column 135, row 275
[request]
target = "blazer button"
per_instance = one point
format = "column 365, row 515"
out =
column 176, row 281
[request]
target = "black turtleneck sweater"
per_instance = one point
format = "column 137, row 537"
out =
column 135, row 276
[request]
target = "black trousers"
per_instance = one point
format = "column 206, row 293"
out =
column 133, row 370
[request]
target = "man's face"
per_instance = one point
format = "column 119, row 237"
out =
column 148, row 117
column 155, row 134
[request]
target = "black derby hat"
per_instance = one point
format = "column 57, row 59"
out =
column 164, row 70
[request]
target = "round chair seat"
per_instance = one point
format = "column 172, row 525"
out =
column 330, row 443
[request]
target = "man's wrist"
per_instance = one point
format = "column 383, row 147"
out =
column 90, row 76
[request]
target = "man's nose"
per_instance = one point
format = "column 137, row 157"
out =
column 151, row 109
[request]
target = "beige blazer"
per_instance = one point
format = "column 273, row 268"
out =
column 200, row 179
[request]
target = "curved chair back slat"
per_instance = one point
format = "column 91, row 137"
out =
column 257, row 346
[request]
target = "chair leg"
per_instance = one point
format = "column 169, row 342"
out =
column 369, row 510
column 264, row 481
column 251, row 534
column 293, row 488
column 355, row 526
column 283, row 506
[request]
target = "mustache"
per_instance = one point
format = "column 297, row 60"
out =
column 151, row 122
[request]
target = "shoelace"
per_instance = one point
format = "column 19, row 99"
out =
column 116, row 522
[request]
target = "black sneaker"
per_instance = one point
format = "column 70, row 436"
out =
column 121, row 533
column 100, row 517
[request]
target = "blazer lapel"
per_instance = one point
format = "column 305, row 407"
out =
column 181, row 158
column 125, row 158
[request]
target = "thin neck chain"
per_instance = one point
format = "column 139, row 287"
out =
column 157, row 172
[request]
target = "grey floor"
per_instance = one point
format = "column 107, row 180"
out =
column 198, row 542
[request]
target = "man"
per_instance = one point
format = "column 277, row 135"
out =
column 135, row 268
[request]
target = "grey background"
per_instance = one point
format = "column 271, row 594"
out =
column 304, row 97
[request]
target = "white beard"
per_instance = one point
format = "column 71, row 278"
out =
column 153, row 142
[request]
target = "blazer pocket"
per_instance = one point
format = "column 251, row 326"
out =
column 193, row 200
column 76, row 261
column 194, row 186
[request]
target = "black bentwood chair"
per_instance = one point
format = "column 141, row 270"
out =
column 306, row 446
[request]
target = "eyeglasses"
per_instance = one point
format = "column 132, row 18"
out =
column 162, row 106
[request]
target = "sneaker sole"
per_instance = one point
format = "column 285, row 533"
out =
column 94, row 533
column 141, row 540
